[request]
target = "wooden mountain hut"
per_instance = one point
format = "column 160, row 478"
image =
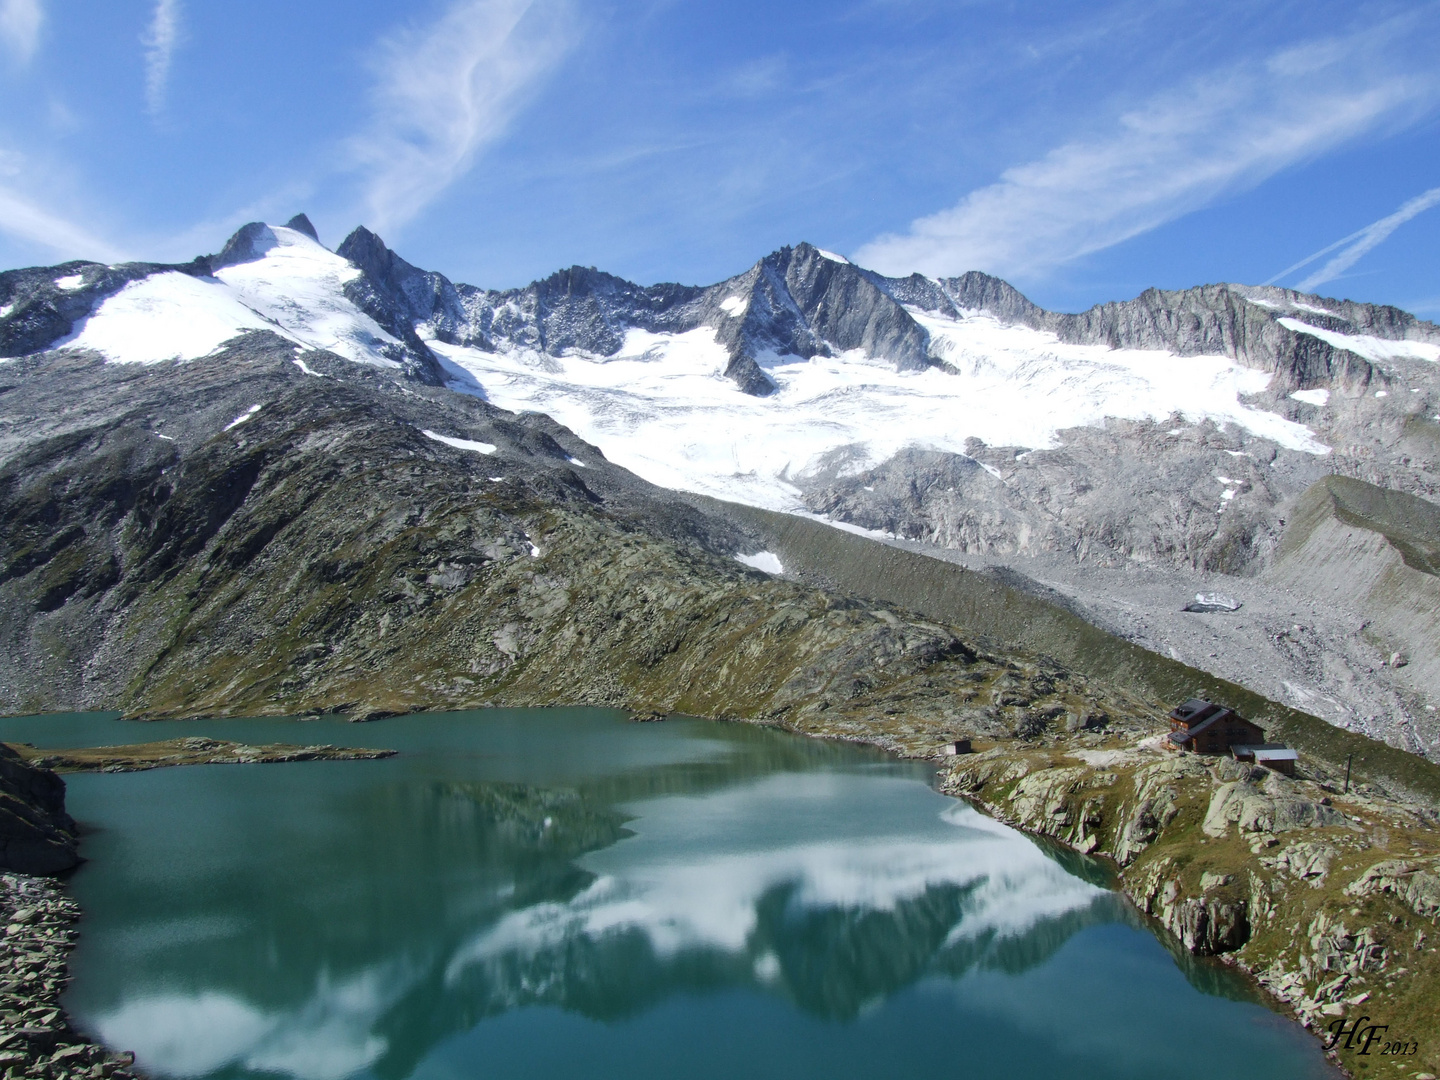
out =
column 1205, row 728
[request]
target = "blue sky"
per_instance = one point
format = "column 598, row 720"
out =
column 1083, row 151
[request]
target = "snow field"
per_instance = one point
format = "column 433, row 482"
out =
column 1377, row 350
column 461, row 444
column 299, row 285
column 294, row 290
column 662, row 409
column 169, row 316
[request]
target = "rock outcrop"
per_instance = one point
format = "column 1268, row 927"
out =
column 1416, row 884
column 37, row 836
column 1296, row 881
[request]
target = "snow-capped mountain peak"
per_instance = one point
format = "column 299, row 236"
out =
column 804, row 366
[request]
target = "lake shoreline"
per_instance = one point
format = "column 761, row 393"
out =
column 36, row 1035
column 1228, row 892
column 1187, row 840
column 39, row 916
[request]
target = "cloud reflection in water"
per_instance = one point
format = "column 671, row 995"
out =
column 832, row 891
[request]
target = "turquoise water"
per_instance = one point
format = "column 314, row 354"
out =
column 560, row 893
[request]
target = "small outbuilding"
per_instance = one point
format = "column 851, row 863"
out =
column 1275, row 756
column 1205, row 728
column 959, row 746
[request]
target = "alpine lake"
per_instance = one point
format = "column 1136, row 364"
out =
column 535, row 893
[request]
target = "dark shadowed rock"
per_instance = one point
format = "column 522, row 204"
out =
column 37, row 836
column 398, row 296
column 249, row 243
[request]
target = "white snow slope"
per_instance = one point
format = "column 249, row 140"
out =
column 295, row 290
column 662, row 409
column 1377, row 350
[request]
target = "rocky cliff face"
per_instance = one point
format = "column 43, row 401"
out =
column 794, row 302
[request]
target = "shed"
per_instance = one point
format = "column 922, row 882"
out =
column 1202, row 727
column 1276, row 756
column 959, row 746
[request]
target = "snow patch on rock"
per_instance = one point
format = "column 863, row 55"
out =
column 461, row 444
column 1320, row 397
column 1377, row 350
column 246, row 415
column 767, row 561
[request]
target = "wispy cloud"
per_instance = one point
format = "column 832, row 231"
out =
column 160, row 39
column 1182, row 150
column 20, row 22
column 25, row 220
column 1358, row 243
column 448, row 89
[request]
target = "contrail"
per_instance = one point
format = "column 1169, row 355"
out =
column 1359, row 243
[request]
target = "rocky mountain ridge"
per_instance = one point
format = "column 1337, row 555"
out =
column 796, row 301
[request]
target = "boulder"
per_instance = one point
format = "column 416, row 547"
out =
column 1269, row 806
column 1414, row 883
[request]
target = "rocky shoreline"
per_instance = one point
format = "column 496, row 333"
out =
column 1329, row 899
column 39, row 838
column 36, row 1039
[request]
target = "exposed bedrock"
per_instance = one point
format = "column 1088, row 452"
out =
column 1167, row 492
column 37, row 836
column 1327, row 896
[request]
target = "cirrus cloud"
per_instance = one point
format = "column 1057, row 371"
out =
column 446, row 90
column 20, row 22
column 160, row 40
column 26, row 220
column 1183, row 149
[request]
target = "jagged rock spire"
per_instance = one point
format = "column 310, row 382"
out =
column 300, row 223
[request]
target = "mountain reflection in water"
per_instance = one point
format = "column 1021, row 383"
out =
column 325, row 920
